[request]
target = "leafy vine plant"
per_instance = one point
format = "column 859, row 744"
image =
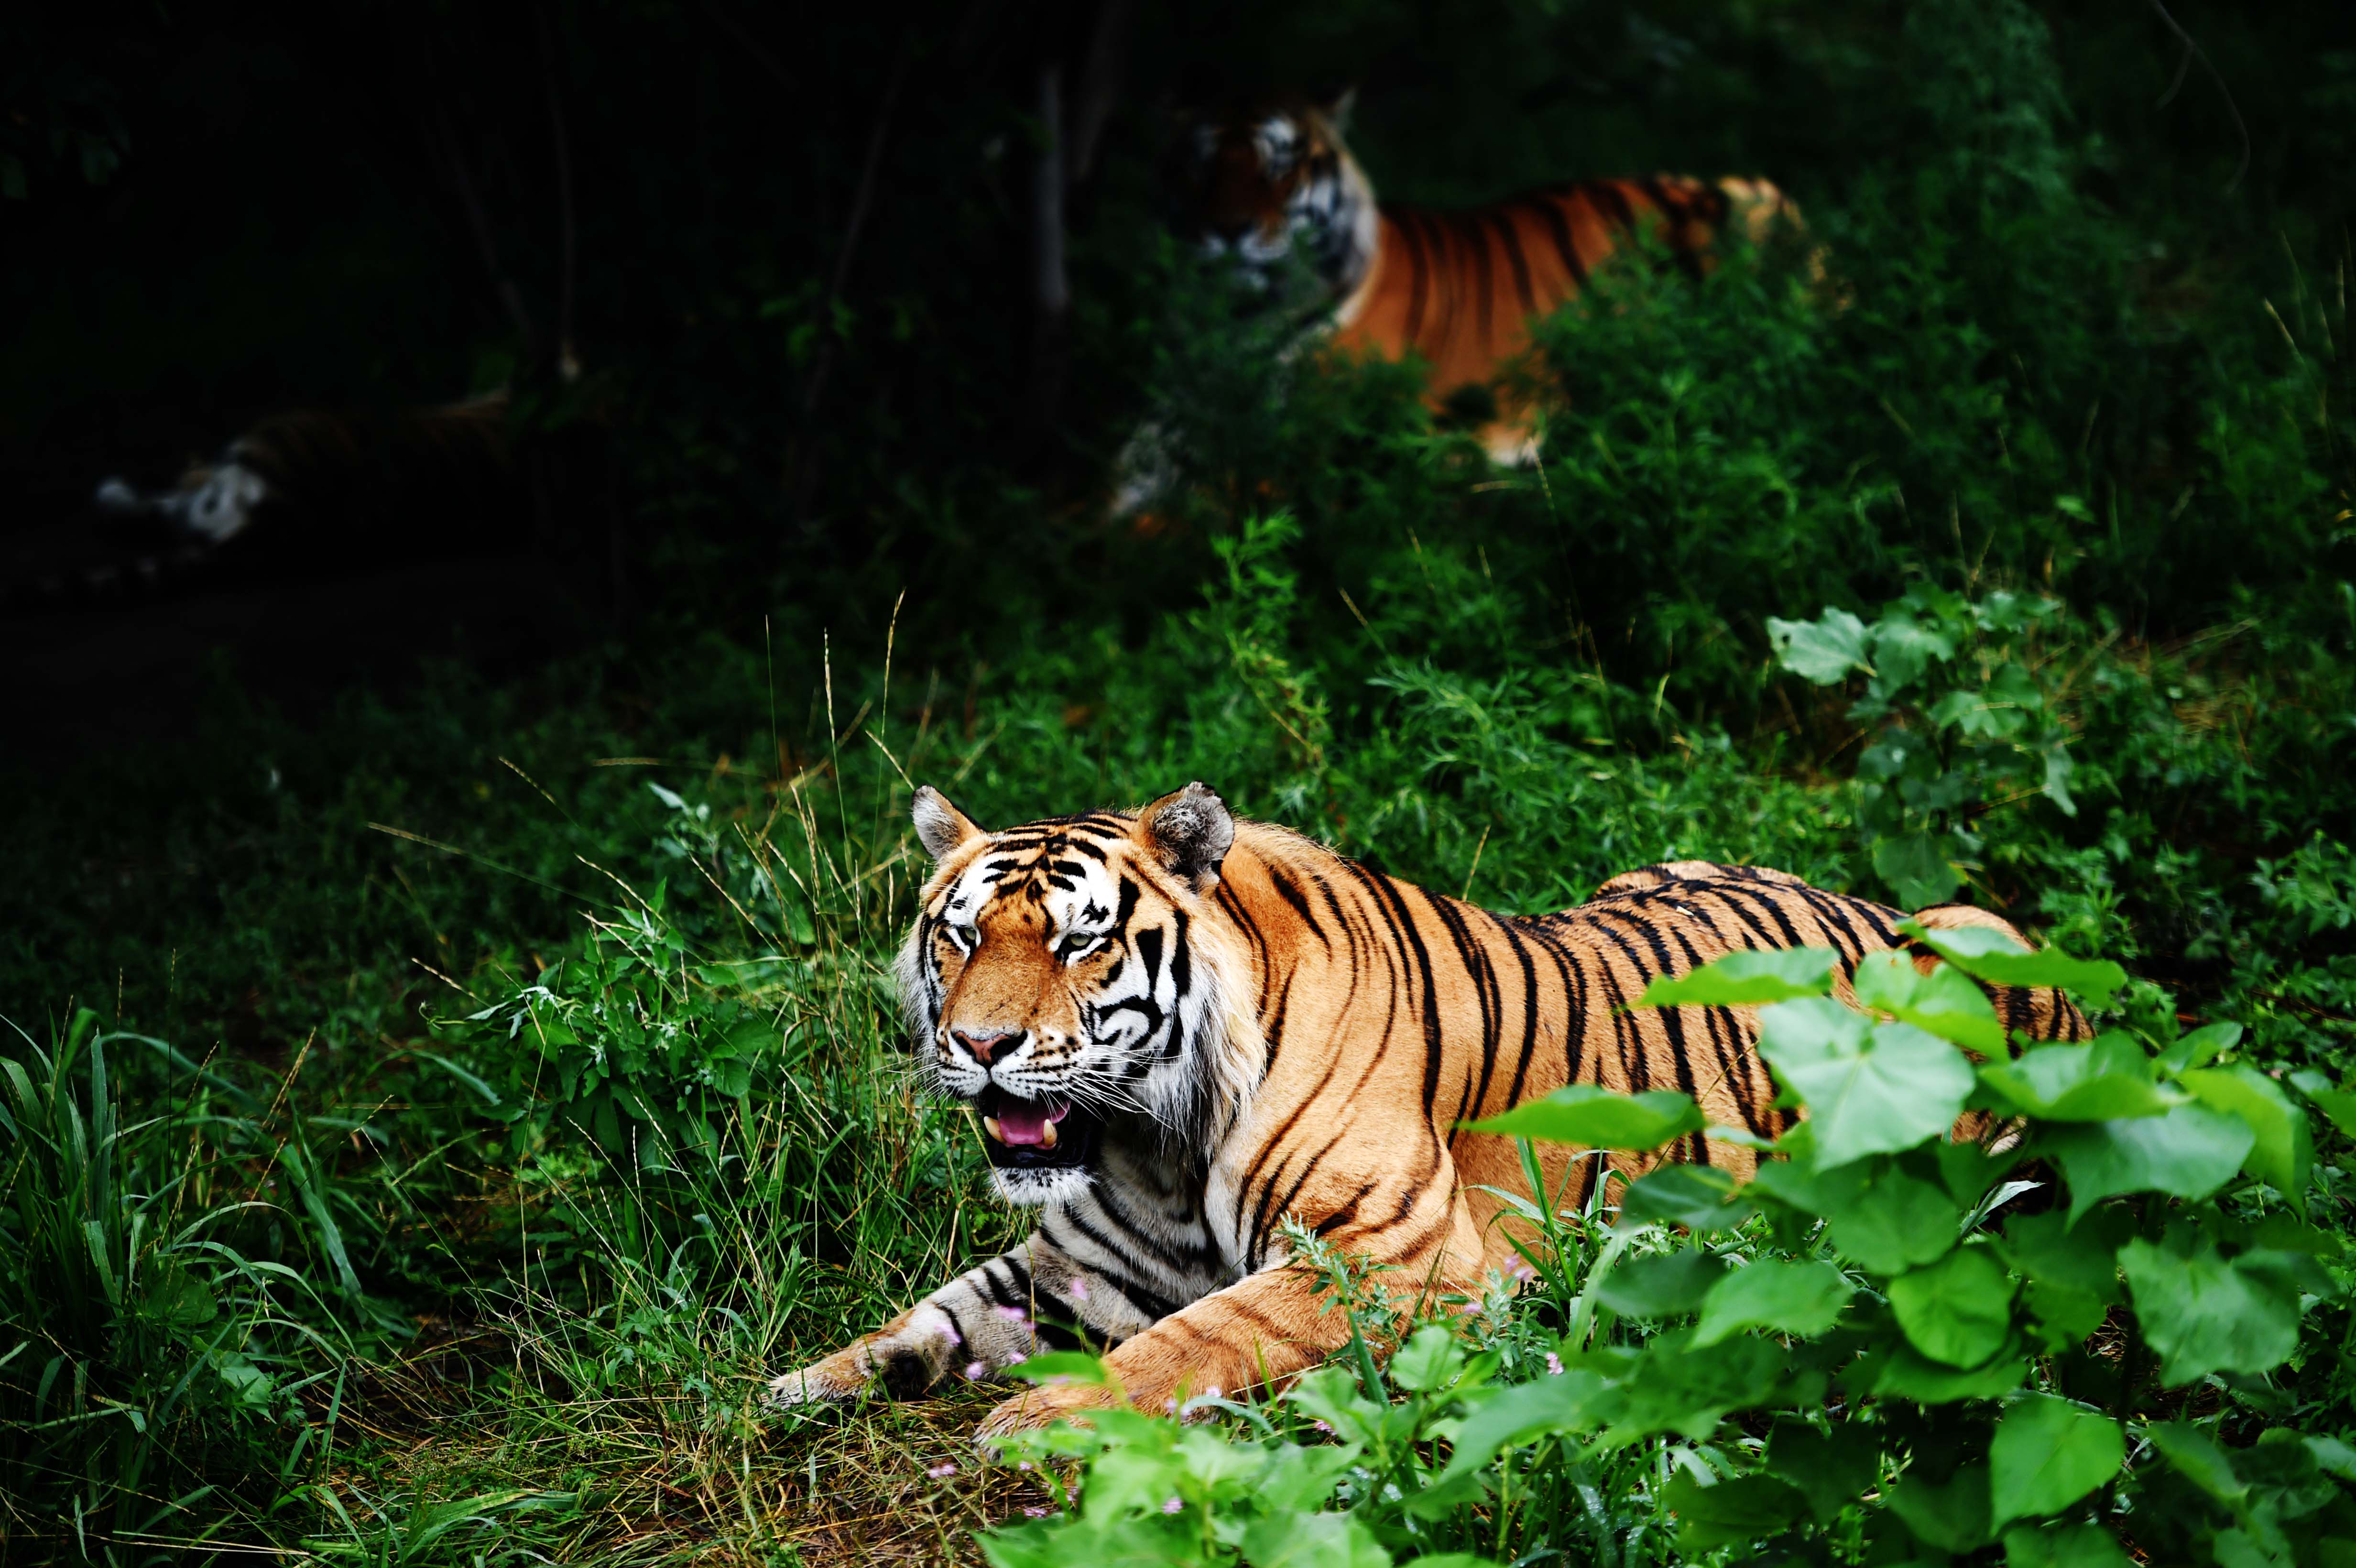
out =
column 2090, row 1334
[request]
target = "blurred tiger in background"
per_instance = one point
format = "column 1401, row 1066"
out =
column 1266, row 186
column 1176, row 1030
column 312, row 486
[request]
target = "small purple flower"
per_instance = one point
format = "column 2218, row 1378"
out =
column 1017, row 1357
column 1012, row 1314
column 1079, row 1289
column 1034, row 1513
column 1172, row 1506
column 1021, row 1464
column 974, row 1370
column 956, row 1338
column 1554, row 1365
column 942, row 1472
column 1321, row 1426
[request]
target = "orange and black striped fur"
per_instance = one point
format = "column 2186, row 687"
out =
column 1179, row 1029
column 1258, row 181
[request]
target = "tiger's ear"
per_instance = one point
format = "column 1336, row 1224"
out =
column 941, row 827
column 1335, row 105
column 1188, row 833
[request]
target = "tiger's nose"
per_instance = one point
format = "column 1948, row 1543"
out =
column 981, row 1042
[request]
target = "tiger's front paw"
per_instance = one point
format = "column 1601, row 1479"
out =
column 1044, row 1406
column 904, row 1358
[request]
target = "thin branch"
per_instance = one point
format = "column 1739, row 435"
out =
column 1098, row 89
column 480, row 224
column 568, row 366
column 2195, row 51
column 742, row 36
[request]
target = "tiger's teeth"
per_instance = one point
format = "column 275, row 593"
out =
column 1046, row 1135
column 990, row 1126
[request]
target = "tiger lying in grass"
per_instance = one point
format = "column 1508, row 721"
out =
column 1178, row 1030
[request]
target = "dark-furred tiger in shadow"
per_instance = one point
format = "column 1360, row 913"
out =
column 1264, row 186
column 1179, row 1029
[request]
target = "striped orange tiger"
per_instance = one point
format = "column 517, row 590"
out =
column 1256, row 179
column 1177, row 1029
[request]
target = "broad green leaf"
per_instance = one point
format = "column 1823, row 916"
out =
column 1312, row 1540
column 2339, row 1104
column 1594, row 1117
column 1958, row 1310
column 1952, row 1515
column 1800, row 1300
column 1903, row 647
column 1831, row 1469
column 2081, row 1083
column 1302, row 1478
column 2284, row 1149
column 2332, row 1456
column 2188, row 1152
column 1765, row 974
column 1896, row 1225
column 1907, row 1373
column 2047, row 1454
column 2205, row 1313
column 2073, row 1273
column 1999, row 960
column 1869, row 1088
column 1918, row 866
column 1430, row 1360
column 1657, row 1288
column 1061, row 1367
column 2198, row 1458
column 1677, row 1387
column 1944, row 1002
column 2199, row 1047
column 1824, row 650
column 1694, row 1196
column 1744, row 1509
column 2064, row 1546
column 1568, row 1402
column 1799, row 1182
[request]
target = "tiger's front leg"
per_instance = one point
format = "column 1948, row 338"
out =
column 1268, row 1327
column 975, row 1326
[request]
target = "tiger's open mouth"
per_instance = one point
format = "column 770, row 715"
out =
column 1035, row 1134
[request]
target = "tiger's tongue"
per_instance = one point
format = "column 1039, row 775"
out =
column 1023, row 1121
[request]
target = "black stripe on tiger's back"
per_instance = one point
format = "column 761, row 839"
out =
column 1474, row 956
column 1530, row 1013
column 1508, row 237
column 1672, row 1018
column 1469, row 228
column 1610, row 202
column 1550, row 209
column 1419, row 274
column 1410, row 941
column 1290, row 892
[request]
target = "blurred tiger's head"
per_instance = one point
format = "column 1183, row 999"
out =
column 1256, row 181
column 1062, row 981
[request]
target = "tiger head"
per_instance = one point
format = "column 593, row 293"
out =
column 1253, row 178
column 1061, row 980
